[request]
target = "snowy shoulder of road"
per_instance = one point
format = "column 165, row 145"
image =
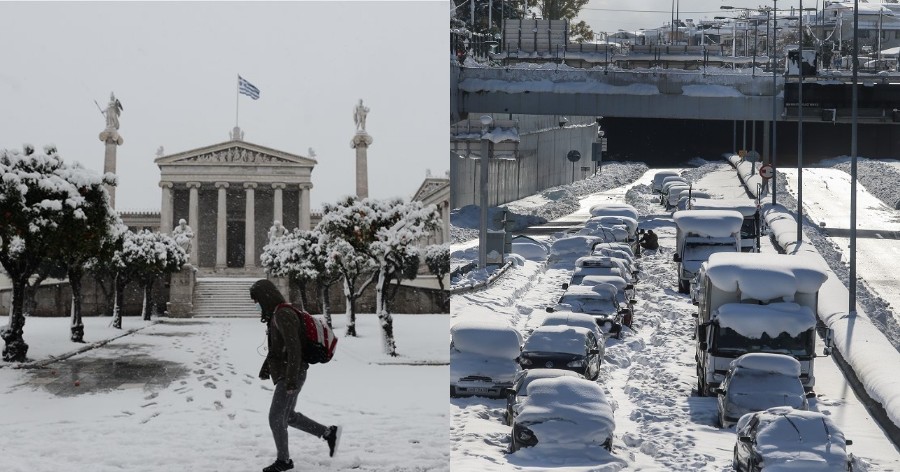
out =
column 184, row 395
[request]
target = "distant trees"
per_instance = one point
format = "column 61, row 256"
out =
column 437, row 258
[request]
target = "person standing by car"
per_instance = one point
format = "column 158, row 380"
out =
column 285, row 365
column 649, row 240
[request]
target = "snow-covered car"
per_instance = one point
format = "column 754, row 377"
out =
column 519, row 391
column 581, row 272
column 563, row 347
column 669, row 183
column 563, row 413
column 626, row 247
column 529, row 248
column 572, row 247
column 684, row 201
column 609, row 262
column 620, row 253
column 630, row 224
column 483, row 358
column 672, row 193
column 600, row 301
column 618, row 233
column 660, row 177
column 614, row 209
column 568, row 318
column 783, row 438
column 759, row 381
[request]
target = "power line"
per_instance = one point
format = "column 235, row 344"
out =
column 647, row 11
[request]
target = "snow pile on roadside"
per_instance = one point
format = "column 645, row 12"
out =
column 550, row 204
column 880, row 179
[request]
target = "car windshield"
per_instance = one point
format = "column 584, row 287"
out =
column 730, row 342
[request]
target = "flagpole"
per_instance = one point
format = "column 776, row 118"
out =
column 237, row 101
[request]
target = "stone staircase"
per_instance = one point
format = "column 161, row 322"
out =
column 224, row 297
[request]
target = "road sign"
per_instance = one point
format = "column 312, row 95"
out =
column 766, row 171
column 573, row 156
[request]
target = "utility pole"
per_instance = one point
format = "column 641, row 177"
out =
column 853, row 125
column 800, row 133
column 775, row 96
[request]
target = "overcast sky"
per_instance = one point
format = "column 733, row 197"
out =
column 174, row 67
column 613, row 15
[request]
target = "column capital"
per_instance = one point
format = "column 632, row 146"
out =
column 249, row 185
column 192, row 184
column 221, row 184
column 166, row 184
column 279, row 185
column 306, row 186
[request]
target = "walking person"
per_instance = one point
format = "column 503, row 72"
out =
column 286, row 367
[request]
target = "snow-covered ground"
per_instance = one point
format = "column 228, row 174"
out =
column 189, row 399
column 649, row 375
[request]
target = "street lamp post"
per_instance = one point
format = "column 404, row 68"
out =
column 486, row 122
column 774, row 97
column 853, row 125
column 800, row 131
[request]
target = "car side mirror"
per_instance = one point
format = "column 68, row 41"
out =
column 848, row 442
column 745, row 439
column 811, row 395
column 550, row 309
column 565, row 286
column 676, row 258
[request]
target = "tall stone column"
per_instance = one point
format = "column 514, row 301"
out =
column 221, row 226
column 361, row 143
column 304, row 207
column 111, row 137
column 250, row 226
column 166, row 209
column 278, row 206
column 194, row 219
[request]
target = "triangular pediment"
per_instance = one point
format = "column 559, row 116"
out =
column 429, row 187
column 235, row 152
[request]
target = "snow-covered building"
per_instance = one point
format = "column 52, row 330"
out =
column 436, row 191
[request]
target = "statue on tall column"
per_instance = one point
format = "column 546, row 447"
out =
column 359, row 116
column 276, row 231
column 183, row 234
column 113, row 110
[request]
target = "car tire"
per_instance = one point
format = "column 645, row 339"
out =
column 452, row 391
column 701, row 387
column 684, row 286
column 734, row 460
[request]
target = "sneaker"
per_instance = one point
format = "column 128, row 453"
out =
column 333, row 437
column 280, row 466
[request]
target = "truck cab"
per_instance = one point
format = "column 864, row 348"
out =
column 701, row 233
column 750, row 229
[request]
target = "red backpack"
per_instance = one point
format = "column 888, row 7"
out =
column 319, row 341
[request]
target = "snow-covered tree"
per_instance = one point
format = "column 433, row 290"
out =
column 39, row 193
column 143, row 256
column 437, row 258
column 357, row 270
column 302, row 256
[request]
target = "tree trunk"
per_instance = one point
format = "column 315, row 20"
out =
column 387, row 321
column 16, row 349
column 351, row 307
column 120, row 301
column 444, row 296
column 76, row 327
column 101, row 282
column 323, row 303
column 148, row 300
column 303, row 300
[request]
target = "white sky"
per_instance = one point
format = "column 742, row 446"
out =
column 612, row 15
column 174, row 68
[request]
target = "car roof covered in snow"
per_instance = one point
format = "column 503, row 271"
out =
column 765, row 362
column 606, row 220
column 751, row 320
column 486, row 338
column 798, row 440
column 614, row 280
column 564, row 339
column 614, row 209
column 564, row 410
column 712, row 223
column 765, row 276
column 569, row 318
column 580, row 244
column 602, row 290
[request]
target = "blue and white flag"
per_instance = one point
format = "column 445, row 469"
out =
column 247, row 88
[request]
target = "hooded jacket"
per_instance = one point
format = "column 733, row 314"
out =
column 285, row 358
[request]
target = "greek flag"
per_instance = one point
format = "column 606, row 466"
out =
column 247, row 88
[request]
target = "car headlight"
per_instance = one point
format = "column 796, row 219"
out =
column 576, row 363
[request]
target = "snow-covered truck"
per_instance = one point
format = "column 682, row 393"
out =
column 756, row 303
column 750, row 230
column 701, row 233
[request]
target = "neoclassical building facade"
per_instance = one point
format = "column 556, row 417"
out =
column 230, row 194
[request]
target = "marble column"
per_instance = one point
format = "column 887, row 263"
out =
column 361, row 143
column 277, row 209
column 304, row 207
column 250, row 226
column 166, row 209
column 194, row 219
column 221, row 226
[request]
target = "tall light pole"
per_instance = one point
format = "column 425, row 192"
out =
column 855, row 58
column 486, row 122
column 775, row 97
column 800, row 132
